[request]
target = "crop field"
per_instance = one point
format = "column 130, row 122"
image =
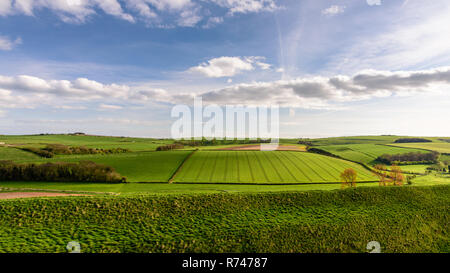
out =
column 366, row 153
column 442, row 147
column 137, row 167
column 354, row 140
column 265, row 167
column 340, row 221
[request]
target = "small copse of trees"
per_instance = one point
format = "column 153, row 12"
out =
column 412, row 140
column 170, row 147
column 409, row 158
column 85, row 171
column 60, row 149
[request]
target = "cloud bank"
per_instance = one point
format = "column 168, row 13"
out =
column 308, row 92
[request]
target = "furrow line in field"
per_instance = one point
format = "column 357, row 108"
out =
column 309, row 166
column 214, row 168
column 298, row 168
column 286, row 168
column 273, row 166
column 249, row 167
column 261, row 166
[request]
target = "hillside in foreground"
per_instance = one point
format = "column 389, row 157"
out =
column 409, row 219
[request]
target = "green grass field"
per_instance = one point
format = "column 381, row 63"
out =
column 136, row 166
column 8, row 153
column 415, row 168
column 265, row 167
column 442, row 147
column 366, row 153
column 402, row 219
column 134, row 144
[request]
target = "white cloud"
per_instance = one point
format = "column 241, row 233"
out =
column 373, row 2
column 213, row 21
column 7, row 44
column 70, row 107
column 307, row 92
column 322, row 92
column 109, row 107
column 229, row 66
column 333, row 10
column 247, row 6
column 5, row 7
column 156, row 13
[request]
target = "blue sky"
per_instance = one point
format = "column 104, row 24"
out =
column 117, row 67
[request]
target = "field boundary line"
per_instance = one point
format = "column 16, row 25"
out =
column 269, row 184
column 178, row 169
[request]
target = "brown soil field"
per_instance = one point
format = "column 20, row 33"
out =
column 258, row 147
column 14, row 195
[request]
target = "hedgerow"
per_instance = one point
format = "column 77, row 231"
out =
column 84, row 171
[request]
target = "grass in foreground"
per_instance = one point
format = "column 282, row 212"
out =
column 333, row 221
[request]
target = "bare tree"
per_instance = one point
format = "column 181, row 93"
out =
column 348, row 178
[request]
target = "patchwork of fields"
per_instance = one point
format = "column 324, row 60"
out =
column 101, row 142
column 366, row 153
column 265, row 167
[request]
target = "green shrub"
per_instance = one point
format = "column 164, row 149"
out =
column 39, row 152
column 85, row 171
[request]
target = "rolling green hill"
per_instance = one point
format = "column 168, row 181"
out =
column 265, row 167
column 366, row 153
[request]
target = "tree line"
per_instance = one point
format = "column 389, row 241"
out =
column 409, row 158
column 60, row 149
column 412, row 140
column 84, row 171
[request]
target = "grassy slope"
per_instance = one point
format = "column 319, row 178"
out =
column 265, row 167
column 365, row 153
column 442, row 147
column 334, row 221
column 8, row 153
